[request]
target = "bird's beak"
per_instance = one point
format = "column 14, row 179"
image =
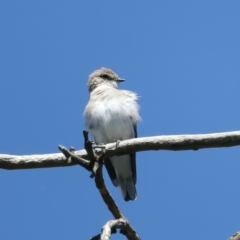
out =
column 120, row 80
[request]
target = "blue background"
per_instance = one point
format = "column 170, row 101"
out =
column 181, row 57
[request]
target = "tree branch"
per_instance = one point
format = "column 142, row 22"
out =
column 106, row 196
column 171, row 142
column 110, row 227
column 121, row 222
column 235, row 236
column 72, row 157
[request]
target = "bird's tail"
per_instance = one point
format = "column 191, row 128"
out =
column 127, row 188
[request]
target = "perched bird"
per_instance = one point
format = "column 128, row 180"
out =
column 112, row 115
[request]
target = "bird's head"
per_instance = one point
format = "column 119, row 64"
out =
column 103, row 76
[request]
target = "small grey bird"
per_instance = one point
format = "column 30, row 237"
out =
column 112, row 115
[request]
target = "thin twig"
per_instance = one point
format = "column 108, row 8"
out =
column 71, row 157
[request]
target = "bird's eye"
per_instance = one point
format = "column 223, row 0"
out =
column 105, row 76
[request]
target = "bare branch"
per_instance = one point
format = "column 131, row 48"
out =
column 174, row 142
column 37, row 161
column 236, row 236
column 72, row 157
column 126, row 228
column 121, row 222
column 171, row 142
column 110, row 227
column 106, row 196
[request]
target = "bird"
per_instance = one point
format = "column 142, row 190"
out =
column 111, row 115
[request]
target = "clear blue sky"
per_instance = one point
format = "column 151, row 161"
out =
column 181, row 57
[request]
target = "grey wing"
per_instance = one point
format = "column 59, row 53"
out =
column 133, row 159
column 111, row 171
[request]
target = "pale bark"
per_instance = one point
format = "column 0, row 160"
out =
column 236, row 236
column 171, row 142
column 110, row 227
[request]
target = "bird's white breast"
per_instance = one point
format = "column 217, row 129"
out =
column 111, row 114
